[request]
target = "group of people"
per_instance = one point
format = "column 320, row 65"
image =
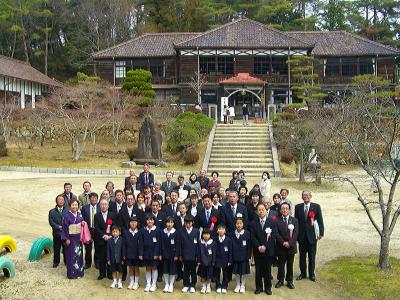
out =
column 182, row 230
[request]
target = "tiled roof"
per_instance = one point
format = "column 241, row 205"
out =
column 18, row 69
column 244, row 33
column 147, row 45
column 243, row 78
column 342, row 43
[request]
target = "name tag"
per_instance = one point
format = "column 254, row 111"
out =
column 226, row 249
column 195, row 241
column 154, row 240
column 244, row 243
column 209, row 251
column 172, row 242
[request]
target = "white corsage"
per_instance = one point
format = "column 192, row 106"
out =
column 239, row 215
column 268, row 231
column 290, row 227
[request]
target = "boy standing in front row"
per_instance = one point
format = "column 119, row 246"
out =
column 115, row 253
column 189, row 243
column 223, row 260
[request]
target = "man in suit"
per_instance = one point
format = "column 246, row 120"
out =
column 159, row 215
column 129, row 211
column 171, row 210
column 182, row 189
column 306, row 214
column 168, row 186
column 103, row 221
column 146, row 178
column 203, row 179
column 284, row 198
column 133, row 184
column 263, row 234
column 56, row 216
column 233, row 209
column 205, row 217
column 116, row 206
column 180, row 217
column 270, row 213
column 286, row 245
column 128, row 178
column 84, row 197
column 89, row 211
column 68, row 195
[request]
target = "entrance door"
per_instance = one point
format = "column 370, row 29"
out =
column 237, row 100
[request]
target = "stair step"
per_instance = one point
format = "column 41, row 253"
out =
column 230, row 166
column 243, row 138
column 241, row 147
column 254, row 158
column 230, row 155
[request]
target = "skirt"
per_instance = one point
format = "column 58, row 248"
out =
column 135, row 262
column 150, row 263
column 205, row 271
column 241, row 267
column 170, row 267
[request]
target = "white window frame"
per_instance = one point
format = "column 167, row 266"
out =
column 120, row 69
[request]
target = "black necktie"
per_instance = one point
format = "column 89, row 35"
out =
column 286, row 220
column 306, row 212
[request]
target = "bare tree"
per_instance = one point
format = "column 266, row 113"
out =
column 367, row 121
column 196, row 83
column 80, row 114
column 120, row 102
column 7, row 112
column 40, row 122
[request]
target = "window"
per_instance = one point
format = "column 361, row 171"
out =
column 261, row 65
column 207, row 64
column 366, row 66
column 120, row 69
column 349, row 66
column 157, row 70
column 225, row 64
column 332, row 67
column 279, row 65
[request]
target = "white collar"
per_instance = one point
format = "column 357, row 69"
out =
column 129, row 208
column 104, row 213
column 151, row 229
column 233, row 205
column 239, row 233
column 75, row 215
column 264, row 219
column 209, row 242
column 95, row 206
column 221, row 239
column 133, row 232
column 307, row 205
column 169, row 232
column 189, row 230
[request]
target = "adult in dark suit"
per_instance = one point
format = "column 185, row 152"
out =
column 68, row 195
column 168, row 186
column 263, row 234
column 209, row 217
column 103, row 221
column 159, row 215
column 306, row 214
column 233, row 209
column 128, row 178
column 116, row 206
column 203, row 180
column 56, row 216
column 171, row 210
column 286, row 245
column 129, row 211
column 180, row 217
column 182, row 188
column 133, row 184
column 146, row 178
column 89, row 211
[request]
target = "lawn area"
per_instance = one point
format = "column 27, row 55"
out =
column 101, row 156
column 359, row 278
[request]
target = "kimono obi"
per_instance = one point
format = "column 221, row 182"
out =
column 74, row 228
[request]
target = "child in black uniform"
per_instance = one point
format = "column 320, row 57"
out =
column 207, row 254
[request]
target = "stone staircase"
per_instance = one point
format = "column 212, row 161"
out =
column 238, row 147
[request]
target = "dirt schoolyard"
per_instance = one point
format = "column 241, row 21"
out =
column 26, row 199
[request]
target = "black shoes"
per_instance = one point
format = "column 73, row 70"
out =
column 55, row 265
column 87, row 267
column 279, row 284
column 268, row 291
column 290, row 285
column 301, row 277
column 257, row 292
column 100, row 277
column 312, row 278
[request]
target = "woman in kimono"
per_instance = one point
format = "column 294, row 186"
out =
column 71, row 236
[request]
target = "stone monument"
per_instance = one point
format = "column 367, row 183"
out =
column 150, row 143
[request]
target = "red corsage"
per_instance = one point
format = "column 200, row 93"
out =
column 311, row 215
column 109, row 222
column 273, row 218
column 213, row 221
